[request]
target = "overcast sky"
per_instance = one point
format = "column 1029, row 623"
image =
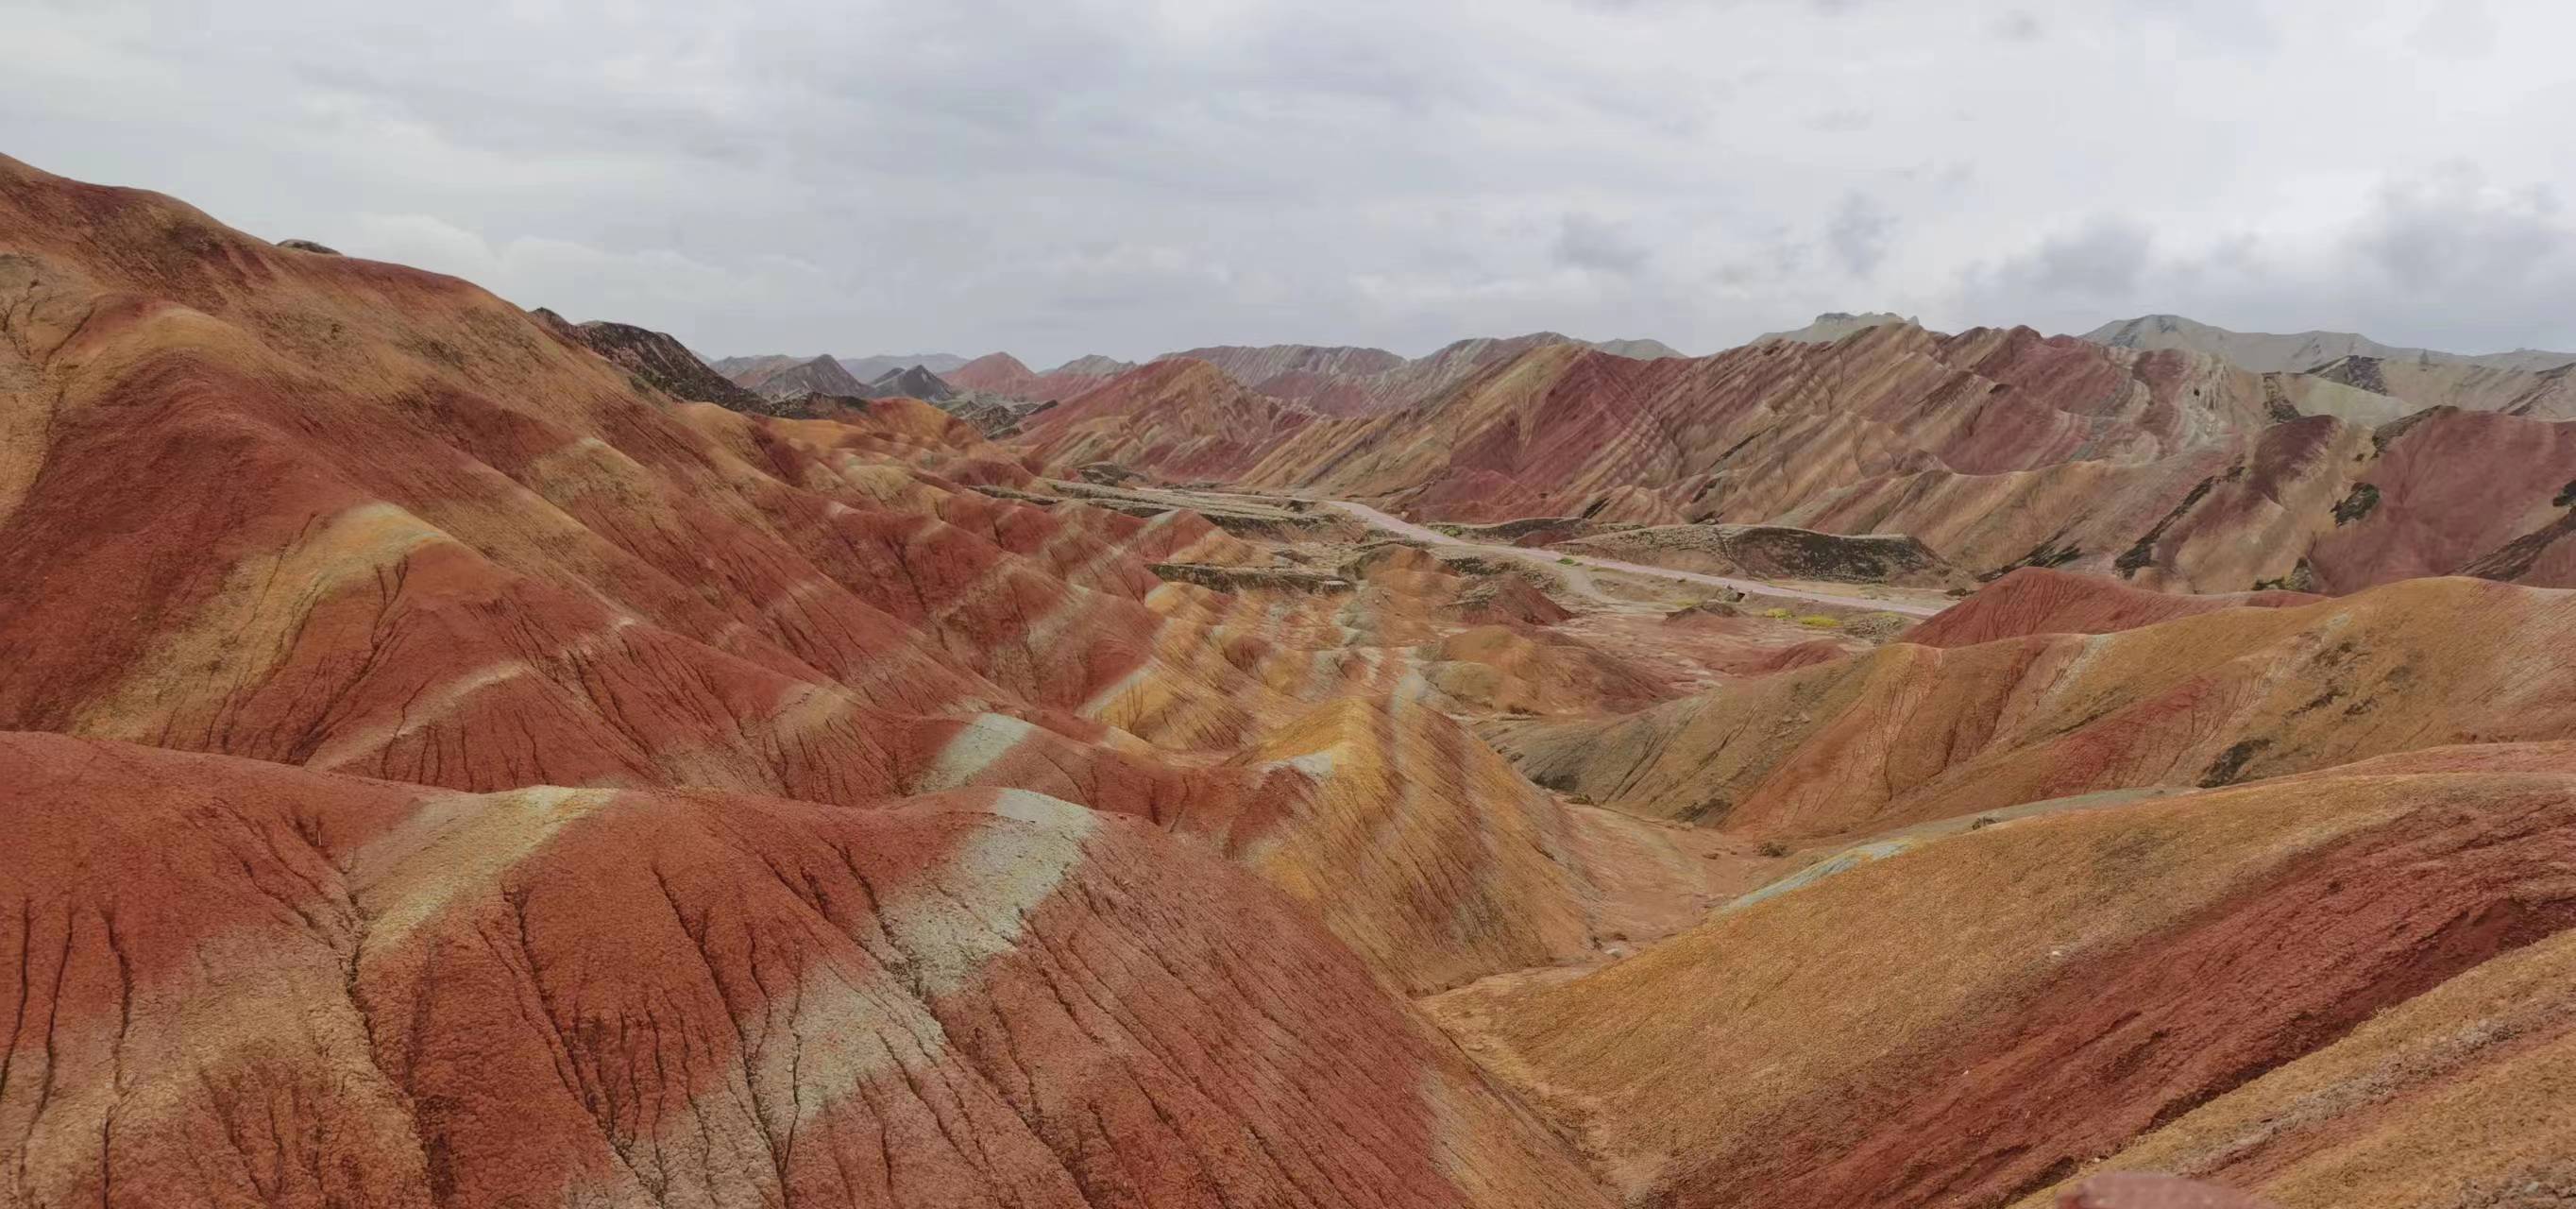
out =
column 1057, row 177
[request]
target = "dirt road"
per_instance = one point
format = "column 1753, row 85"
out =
column 1552, row 557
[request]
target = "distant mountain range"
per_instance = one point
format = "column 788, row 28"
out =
column 1834, row 325
column 780, row 384
column 917, row 382
column 658, row 359
column 1638, row 350
column 2386, row 381
column 1351, row 380
column 2524, row 382
column 1331, row 379
column 873, row 367
column 2300, row 352
column 776, row 376
column 1348, row 381
column 2170, row 467
column 1005, row 375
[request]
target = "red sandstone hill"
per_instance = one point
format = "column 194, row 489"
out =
column 1907, row 734
column 1364, row 381
column 252, row 984
column 399, row 528
column 1766, row 427
column 1336, row 380
column 447, row 547
column 1997, row 448
column 1002, row 374
column 2064, row 866
column 1187, row 419
column 444, row 767
column 2037, row 600
column 816, row 375
column 2350, row 988
column 1320, row 377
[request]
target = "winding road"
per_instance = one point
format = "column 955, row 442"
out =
column 1752, row 587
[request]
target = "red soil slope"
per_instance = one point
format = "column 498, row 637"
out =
column 2449, row 486
column 1997, row 448
column 324, row 512
column 936, row 836
column 1566, row 422
column 1363, row 381
column 248, row 984
column 442, row 545
column 399, row 529
column 1002, row 374
column 2036, row 600
column 1327, row 380
column 1185, row 419
column 2132, row 1190
column 2209, row 979
column 1907, row 734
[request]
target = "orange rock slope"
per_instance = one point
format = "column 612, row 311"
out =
column 2058, row 921
column 2347, row 988
column 1908, row 734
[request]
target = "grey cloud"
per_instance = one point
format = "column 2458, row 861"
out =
column 2453, row 229
column 2101, row 259
column 1769, row 265
column 2445, row 258
column 2019, row 25
column 1858, row 234
column 2233, row 26
column 1103, row 175
column 1586, row 242
column 2459, row 29
column 2092, row 269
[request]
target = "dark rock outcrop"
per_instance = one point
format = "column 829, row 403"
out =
column 1775, row 552
column 656, row 357
column 818, row 375
column 913, row 383
column 1247, row 579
